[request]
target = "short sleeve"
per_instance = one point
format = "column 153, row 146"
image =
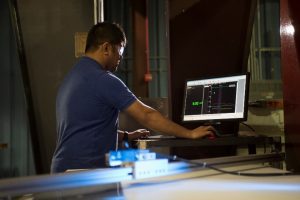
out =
column 114, row 91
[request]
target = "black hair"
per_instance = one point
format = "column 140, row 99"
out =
column 104, row 32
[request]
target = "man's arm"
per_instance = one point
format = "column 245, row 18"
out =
column 154, row 120
column 133, row 135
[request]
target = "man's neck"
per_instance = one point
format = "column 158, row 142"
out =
column 96, row 58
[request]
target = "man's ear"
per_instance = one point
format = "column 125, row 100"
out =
column 105, row 48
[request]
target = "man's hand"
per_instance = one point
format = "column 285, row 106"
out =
column 140, row 133
column 202, row 131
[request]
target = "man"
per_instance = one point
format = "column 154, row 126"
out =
column 89, row 101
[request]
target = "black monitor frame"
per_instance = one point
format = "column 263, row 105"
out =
column 219, row 120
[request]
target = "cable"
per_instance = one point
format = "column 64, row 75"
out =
column 205, row 165
column 247, row 125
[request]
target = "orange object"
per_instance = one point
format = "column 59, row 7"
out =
column 148, row 77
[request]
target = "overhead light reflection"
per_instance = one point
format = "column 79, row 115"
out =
column 288, row 29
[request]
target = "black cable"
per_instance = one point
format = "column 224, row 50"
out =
column 247, row 125
column 205, row 165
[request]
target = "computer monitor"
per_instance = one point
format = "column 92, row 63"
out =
column 216, row 99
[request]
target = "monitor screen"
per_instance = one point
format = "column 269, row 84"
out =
column 216, row 99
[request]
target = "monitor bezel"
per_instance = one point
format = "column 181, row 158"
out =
column 215, row 121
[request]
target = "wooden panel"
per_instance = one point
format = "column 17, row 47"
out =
column 290, row 62
column 210, row 38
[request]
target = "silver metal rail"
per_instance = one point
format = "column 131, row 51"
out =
column 13, row 187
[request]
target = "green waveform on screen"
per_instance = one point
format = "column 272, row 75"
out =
column 197, row 103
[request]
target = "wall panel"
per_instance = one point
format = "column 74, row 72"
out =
column 48, row 32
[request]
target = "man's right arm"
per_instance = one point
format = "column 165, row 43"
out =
column 154, row 120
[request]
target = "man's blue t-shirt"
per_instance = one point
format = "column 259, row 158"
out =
column 87, row 109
